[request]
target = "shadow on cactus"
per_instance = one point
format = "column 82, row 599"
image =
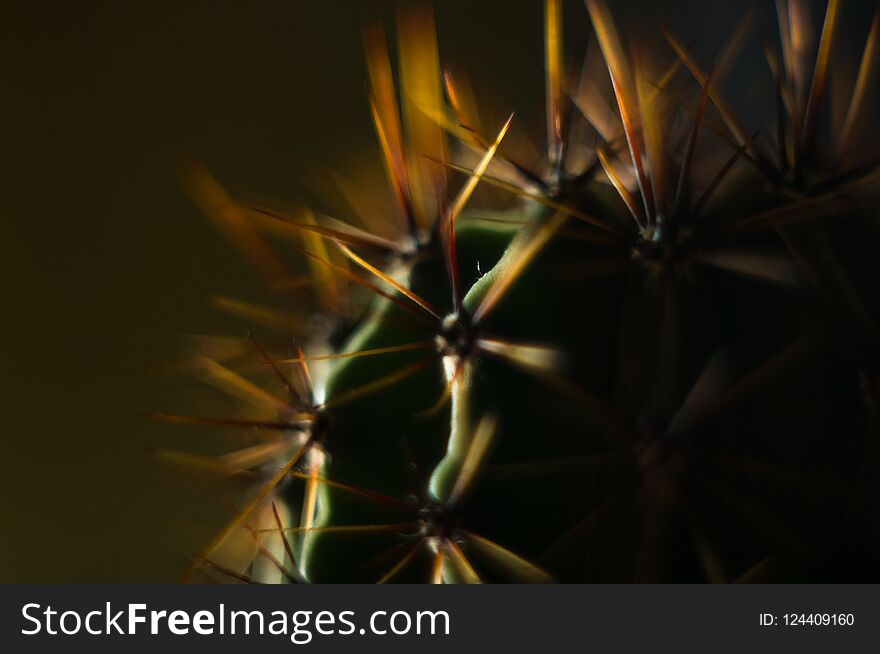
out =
column 650, row 356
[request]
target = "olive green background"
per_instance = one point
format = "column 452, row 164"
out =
column 106, row 262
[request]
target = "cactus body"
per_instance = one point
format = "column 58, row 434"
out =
column 636, row 372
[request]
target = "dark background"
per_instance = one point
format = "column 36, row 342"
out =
column 106, row 262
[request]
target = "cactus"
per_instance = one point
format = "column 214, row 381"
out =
column 650, row 357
